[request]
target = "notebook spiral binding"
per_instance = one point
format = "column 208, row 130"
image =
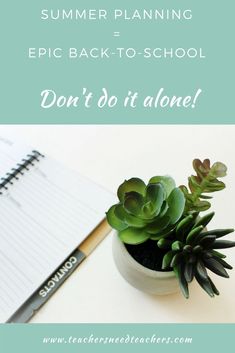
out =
column 21, row 167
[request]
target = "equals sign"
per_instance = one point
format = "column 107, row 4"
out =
column 116, row 34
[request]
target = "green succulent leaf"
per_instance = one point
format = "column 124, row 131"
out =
column 167, row 259
column 114, row 221
column 205, row 284
column 167, row 232
column 134, row 221
column 207, row 254
column 216, row 267
column 219, row 233
column 207, row 241
column 182, row 281
column 133, row 202
column 147, row 211
column 176, row 202
column 176, row 259
column 158, row 225
column 213, row 186
column 188, row 272
column 224, row 263
column 164, row 209
column 205, row 197
column 223, row 244
column 218, row 254
column 183, row 226
column 215, row 290
column 133, row 236
column 177, row 245
column 201, row 269
column 200, row 206
column 167, row 182
column 164, row 243
column 187, row 248
column 127, row 218
column 193, row 234
column 155, row 195
column 133, row 184
column 203, row 221
column 197, row 249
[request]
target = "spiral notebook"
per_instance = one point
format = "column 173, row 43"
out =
column 46, row 212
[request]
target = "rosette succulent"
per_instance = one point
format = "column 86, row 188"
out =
column 146, row 211
column 193, row 251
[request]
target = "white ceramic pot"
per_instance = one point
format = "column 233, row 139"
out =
column 140, row 277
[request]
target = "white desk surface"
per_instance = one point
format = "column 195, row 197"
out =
column 109, row 154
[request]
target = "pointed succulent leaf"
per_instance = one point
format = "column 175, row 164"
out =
column 193, row 235
column 215, row 290
column 182, row 281
column 224, row 263
column 205, row 197
column 167, row 259
column 192, row 259
column 167, row 182
column 223, row 244
column 188, row 272
column 133, row 236
column 183, row 226
column 205, row 284
column 204, row 220
column 218, row 254
column 176, row 259
column 176, row 202
column 133, row 184
column 216, row 267
column 207, row 241
column 114, row 221
column 201, row 269
column 207, row 254
column 219, row 233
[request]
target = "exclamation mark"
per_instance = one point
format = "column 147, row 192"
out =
column 199, row 91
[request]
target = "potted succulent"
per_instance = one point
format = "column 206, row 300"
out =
column 161, row 241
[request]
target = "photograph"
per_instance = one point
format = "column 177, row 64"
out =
column 117, row 224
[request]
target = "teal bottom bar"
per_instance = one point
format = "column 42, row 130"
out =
column 97, row 338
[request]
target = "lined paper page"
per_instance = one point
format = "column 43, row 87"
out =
column 44, row 216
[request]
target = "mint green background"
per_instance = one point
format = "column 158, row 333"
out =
column 214, row 338
column 22, row 80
